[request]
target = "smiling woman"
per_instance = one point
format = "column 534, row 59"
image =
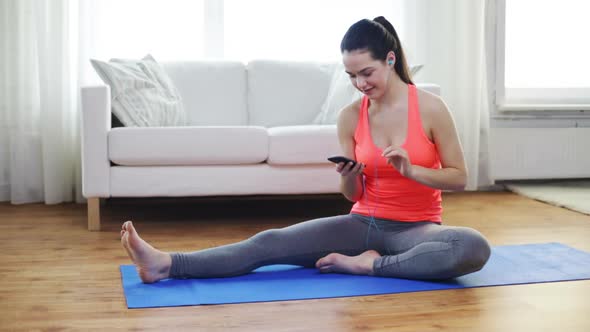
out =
column 406, row 150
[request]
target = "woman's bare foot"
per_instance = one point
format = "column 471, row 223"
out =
column 152, row 264
column 361, row 264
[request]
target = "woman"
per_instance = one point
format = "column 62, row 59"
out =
column 407, row 151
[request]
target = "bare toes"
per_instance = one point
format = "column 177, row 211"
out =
column 325, row 261
column 326, row 269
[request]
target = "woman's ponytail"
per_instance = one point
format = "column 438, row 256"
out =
column 379, row 37
column 401, row 65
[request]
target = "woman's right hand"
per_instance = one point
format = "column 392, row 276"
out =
column 347, row 170
column 351, row 184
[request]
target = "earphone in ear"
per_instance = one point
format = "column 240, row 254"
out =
column 390, row 62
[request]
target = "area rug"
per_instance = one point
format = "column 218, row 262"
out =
column 570, row 194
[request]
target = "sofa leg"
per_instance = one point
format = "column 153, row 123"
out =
column 93, row 214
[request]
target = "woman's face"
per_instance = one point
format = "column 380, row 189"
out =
column 368, row 75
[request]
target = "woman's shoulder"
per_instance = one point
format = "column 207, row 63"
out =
column 355, row 106
column 349, row 115
column 430, row 103
column 351, row 111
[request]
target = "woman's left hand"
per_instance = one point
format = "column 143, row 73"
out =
column 399, row 159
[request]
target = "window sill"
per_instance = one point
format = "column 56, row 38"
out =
column 543, row 108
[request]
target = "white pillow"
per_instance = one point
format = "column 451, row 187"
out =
column 341, row 94
column 142, row 94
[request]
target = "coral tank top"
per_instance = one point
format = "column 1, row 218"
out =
column 387, row 193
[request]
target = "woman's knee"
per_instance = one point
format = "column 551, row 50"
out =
column 473, row 250
column 267, row 237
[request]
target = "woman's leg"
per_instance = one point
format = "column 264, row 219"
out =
column 300, row 244
column 432, row 251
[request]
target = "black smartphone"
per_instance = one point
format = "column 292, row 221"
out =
column 341, row 159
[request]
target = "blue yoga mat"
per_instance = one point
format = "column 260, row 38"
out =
column 508, row 265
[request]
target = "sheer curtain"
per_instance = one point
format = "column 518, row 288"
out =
column 455, row 42
column 39, row 146
column 44, row 59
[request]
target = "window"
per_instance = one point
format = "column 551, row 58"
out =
column 296, row 30
column 225, row 29
column 543, row 55
column 168, row 30
column 171, row 29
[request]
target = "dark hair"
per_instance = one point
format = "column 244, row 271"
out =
column 378, row 37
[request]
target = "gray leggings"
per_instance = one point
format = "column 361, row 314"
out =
column 420, row 250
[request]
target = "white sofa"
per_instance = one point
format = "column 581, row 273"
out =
column 249, row 132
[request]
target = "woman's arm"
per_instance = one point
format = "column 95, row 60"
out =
column 453, row 174
column 351, row 184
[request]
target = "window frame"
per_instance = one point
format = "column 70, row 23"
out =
column 519, row 100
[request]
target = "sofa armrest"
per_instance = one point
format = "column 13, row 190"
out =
column 96, row 123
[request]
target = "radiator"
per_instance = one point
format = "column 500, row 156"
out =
column 539, row 153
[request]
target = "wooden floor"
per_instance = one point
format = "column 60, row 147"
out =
column 57, row 276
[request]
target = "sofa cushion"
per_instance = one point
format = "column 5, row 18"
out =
column 181, row 146
column 283, row 93
column 213, row 92
column 432, row 88
column 142, row 94
column 295, row 145
column 341, row 94
column 259, row 179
